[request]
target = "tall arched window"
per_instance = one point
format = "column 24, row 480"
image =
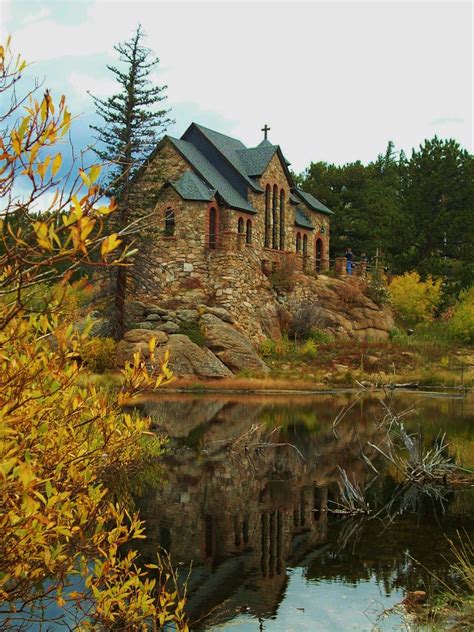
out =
column 248, row 238
column 282, row 220
column 275, row 217
column 213, row 228
column 240, row 225
column 298, row 242
column 319, row 254
column 170, row 224
column 267, row 216
column 305, row 245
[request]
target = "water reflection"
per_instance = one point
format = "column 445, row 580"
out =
column 245, row 496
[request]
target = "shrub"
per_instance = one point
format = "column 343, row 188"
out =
column 309, row 349
column 99, row 354
column 304, row 320
column 320, row 336
column 281, row 347
column 398, row 336
column 267, row 348
column 414, row 301
column 461, row 324
column 282, row 276
column 193, row 331
column 376, row 288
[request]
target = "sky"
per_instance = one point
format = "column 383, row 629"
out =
column 335, row 81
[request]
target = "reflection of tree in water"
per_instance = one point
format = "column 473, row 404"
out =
column 411, row 528
column 241, row 526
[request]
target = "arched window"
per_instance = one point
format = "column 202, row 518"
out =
column 240, row 225
column 282, row 220
column 248, row 238
column 305, row 245
column 319, row 254
column 275, row 217
column 213, row 228
column 169, row 223
column 298, row 242
column 267, row 216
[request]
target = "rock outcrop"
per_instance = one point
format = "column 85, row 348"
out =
column 233, row 348
column 189, row 360
column 215, row 342
column 342, row 308
column 223, row 350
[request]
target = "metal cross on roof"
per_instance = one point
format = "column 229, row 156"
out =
column 265, row 130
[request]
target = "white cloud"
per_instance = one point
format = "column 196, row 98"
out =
column 82, row 83
column 335, row 81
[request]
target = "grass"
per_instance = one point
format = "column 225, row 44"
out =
column 429, row 357
column 453, row 608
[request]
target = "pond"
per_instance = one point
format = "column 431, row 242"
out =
column 246, row 499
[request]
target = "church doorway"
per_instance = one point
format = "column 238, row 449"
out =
column 319, row 255
column 213, row 228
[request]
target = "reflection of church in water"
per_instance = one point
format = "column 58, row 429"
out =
column 242, row 518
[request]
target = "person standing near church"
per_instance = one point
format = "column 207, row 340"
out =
column 349, row 258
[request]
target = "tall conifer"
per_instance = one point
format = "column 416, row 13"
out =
column 134, row 122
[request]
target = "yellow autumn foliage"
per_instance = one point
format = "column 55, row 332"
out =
column 413, row 300
column 65, row 538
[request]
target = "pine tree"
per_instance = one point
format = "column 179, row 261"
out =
column 133, row 126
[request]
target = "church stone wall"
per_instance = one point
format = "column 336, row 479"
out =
column 183, row 268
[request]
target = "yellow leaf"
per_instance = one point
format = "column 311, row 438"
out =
column 65, row 125
column 16, row 142
column 110, row 243
column 85, row 177
column 56, row 164
column 94, row 172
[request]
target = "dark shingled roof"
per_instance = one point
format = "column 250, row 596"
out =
column 302, row 220
column 294, row 199
column 312, row 202
column 230, row 148
column 256, row 160
column 209, row 173
column 191, row 187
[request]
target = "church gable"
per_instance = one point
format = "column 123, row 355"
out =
column 277, row 172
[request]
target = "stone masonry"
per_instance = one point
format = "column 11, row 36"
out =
column 222, row 218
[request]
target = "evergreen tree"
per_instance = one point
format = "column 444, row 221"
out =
column 134, row 123
column 437, row 192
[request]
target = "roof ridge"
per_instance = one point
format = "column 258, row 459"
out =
column 209, row 129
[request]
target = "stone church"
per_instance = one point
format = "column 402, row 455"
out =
column 225, row 216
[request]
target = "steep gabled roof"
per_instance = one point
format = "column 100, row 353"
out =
column 312, row 202
column 211, row 175
column 302, row 220
column 229, row 148
column 256, row 159
column 191, row 187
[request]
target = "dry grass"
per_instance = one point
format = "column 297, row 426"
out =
column 254, row 384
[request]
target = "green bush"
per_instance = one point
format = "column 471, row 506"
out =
column 320, row 336
column 99, row 354
column 277, row 348
column 267, row 348
column 193, row 331
column 461, row 324
column 309, row 349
